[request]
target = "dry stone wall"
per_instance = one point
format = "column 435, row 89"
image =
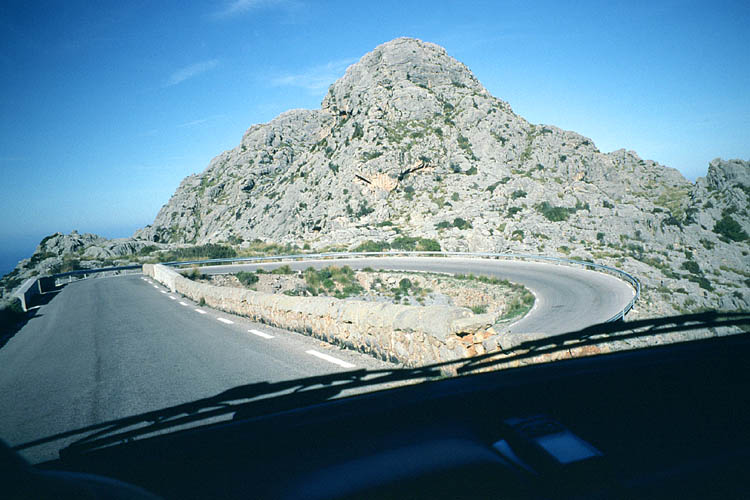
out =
column 412, row 335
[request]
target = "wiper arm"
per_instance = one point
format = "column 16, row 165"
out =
column 256, row 399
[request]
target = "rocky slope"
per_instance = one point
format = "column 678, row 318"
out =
column 409, row 143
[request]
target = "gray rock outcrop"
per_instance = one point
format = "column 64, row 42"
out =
column 409, row 143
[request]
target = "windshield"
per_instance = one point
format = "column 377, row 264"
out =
column 226, row 210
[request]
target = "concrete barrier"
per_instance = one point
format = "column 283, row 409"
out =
column 28, row 290
column 412, row 335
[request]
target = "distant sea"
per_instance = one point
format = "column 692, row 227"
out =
column 14, row 250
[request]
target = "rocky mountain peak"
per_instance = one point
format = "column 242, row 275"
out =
column 397, row 72
column 409, row 151
column 723, row 174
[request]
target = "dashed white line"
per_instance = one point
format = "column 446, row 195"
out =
column 227, row 321
column 330, row 359
column 182, row 303
column 156, row 286
column 199, row 311
column 163, row 291
column 261, row 334
column 172, row 297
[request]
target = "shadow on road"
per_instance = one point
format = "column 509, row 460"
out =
column 263, row 398
column 13, row 318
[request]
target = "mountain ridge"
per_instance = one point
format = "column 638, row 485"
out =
column 409, row 144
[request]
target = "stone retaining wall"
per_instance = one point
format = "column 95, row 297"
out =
column 412, row 335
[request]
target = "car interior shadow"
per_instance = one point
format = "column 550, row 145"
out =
column 13, row 318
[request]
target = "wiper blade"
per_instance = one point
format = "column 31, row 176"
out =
column 264, row 398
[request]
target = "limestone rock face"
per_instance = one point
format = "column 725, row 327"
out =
column 409, row 143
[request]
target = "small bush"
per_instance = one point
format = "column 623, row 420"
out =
column 730, row 229
column 553, row 213
column 691, row 266
column 372, row 246
column 285, row 269
column 480, row 309
column 518, row 193
column 246, row 278
column 460, row 223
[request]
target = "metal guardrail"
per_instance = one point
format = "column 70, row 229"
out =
column 31, row 290
column 36, row 286
column 80, row 272
column 629, row 278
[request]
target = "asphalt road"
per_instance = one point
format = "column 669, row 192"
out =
column 107, row 348
column 567, row 298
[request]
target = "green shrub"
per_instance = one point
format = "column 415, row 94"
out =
column 553, row 213
column 480, row 309
column 404, row 285
column 518, row 193
column 358, row 132
column 372, row 246
column 207, row 251
column 246, row 278
column 285, row 269
column 460, row 223
column 691, row 266
column 364, row 209
column 730, row 229
column 194, row 274
column 513, row 211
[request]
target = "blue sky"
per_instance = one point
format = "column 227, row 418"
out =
column 106, row 106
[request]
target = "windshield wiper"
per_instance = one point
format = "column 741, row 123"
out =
column 264, row 398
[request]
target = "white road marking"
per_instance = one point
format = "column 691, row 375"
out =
column 330, row 359
column 163, row 291
column 227, row 321
column 172, row 297
column 182, row 303
column 202, row 312
column 261, row 334
column 156, row 286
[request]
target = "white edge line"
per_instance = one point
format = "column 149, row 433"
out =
column 227, row 321
column 330, row 359
column 182, row 303
column 261, row 334
column 199, row 311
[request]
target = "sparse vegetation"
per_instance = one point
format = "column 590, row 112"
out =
column 730, row 229
column 339, row 282
column 247, row 278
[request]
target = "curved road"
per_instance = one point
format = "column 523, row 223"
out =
column 567, row 298
column 106, row 348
